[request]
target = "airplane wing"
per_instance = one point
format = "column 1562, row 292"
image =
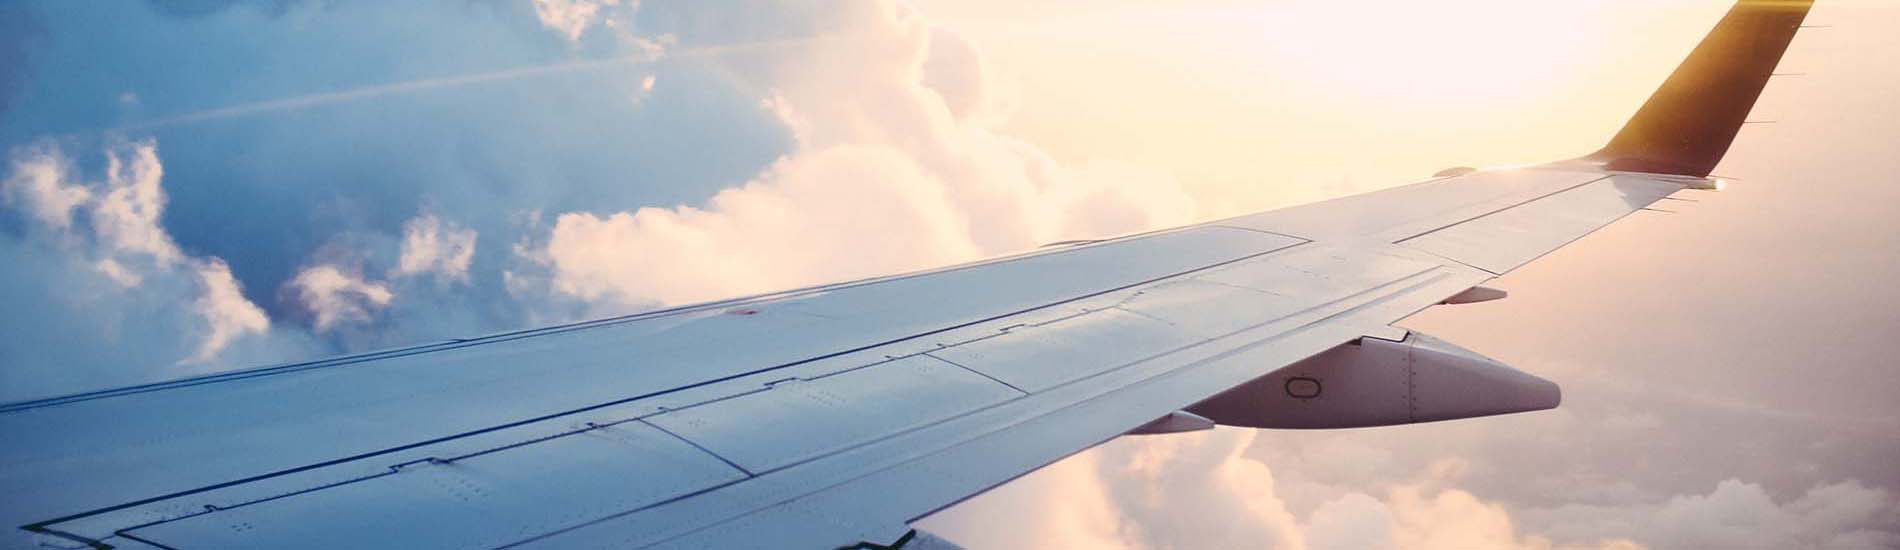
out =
column 833, row 416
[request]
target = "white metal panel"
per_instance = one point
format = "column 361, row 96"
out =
column 1026, row 284
column 1168, row 315
column 1501, row 241
column 797, row 420
column 1036, row 358
column 468, row 502
column 1412, row 209
column 233, row 496
column 1208, row 309
column 1242, row 295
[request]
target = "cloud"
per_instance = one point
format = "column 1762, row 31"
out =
column 953, row 68
column 1206, row 490
column 334, row 296
column 768, row 171
column 1178, row 491
column 804, row 222
column 39, row 184
column 125, row 217
column 1169, row 476
column 486, row 115
column 117, row 299
column 223, row 306
column 1356, row 521
column 1737, row 514
column 431, row 246
column 895, row 179
column 1740, row 515
column 571, row 18
column 126, row 237
column 1061, row 506
column 1428, row 515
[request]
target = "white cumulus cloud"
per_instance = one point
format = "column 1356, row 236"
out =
column 430, row 245
column 1844, row 515
column 848, row 211
column 224, row 309
column 890, row 180
column 110, row 261
column 1206, row 490
column 334, row 296
column 39, row 184
column 126, row 216
column 572, row 18
column 1064, row 505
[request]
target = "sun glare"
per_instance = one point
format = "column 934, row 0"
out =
column 1216, row 91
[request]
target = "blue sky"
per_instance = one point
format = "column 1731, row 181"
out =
column 279, row 190
column 373, row 174
column 273, row 187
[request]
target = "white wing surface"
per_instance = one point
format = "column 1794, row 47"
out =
column 833, row 416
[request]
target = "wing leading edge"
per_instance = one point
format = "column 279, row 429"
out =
column 834, row 416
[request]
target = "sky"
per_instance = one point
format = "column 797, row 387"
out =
column 197, row 185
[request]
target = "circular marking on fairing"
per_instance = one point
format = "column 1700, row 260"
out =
column 1302, row 387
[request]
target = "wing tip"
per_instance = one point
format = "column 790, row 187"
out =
column 1687, row 125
